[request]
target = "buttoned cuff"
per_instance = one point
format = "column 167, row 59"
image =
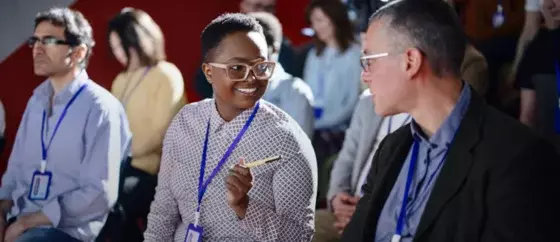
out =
column 52, row 211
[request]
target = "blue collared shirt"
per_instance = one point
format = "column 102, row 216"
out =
column 431, row 152
column 84, row 157
column 293, row 96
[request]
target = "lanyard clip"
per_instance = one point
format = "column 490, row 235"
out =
column 43, row 166
column 196, row 218
column 396, row 238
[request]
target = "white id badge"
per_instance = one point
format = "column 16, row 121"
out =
column 194, row 234
column 40, row 185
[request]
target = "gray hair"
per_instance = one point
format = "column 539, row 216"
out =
column 431, row 26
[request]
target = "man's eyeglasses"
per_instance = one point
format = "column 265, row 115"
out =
column 46, row 41
column 240, row 71
column 365, row 60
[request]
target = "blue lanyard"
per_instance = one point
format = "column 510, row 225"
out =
column 557, row 104
column 409, row 177
column 44, row 147
column 203, row 185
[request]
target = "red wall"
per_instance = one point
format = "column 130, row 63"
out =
column 181, row 21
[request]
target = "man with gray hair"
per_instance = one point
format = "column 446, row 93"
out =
column 461, row 171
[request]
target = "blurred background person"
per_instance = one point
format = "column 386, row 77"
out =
column 63, row 172
column 152, row 92
column 275, row 202
column 538, row 52
column 286, row 55
column 286, row 91
column 333, row 73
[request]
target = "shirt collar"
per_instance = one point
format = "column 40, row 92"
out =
column 445, row 134
column 45, row 91
column 217, row 123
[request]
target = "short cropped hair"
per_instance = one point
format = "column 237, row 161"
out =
column 131, row 25
column 431, row 26
column 272, row 28
column 77, row 29
column 224, row 25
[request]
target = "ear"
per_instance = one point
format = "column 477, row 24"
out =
column 78, row 53
column 413, row 61
column 207, row 70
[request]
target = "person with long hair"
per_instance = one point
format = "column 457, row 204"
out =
column 152, row 92
column 332, row 72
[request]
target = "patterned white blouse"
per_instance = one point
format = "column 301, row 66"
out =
column 282, row 200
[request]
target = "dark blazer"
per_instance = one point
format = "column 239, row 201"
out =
column 497, row 184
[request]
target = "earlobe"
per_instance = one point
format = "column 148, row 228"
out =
column 207, row 72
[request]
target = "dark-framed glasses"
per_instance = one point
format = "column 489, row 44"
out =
column 46, row 41
column 365, row 60
column 240, row 71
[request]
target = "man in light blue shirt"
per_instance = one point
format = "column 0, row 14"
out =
column 289, row 93
column 62, row 176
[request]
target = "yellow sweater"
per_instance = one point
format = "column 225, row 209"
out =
column 151, row 101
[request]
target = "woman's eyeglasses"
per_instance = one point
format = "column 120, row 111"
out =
column 240, row 71
column 46, row 41
column 365, row 60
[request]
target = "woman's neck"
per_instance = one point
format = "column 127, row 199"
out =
column 332, row 43
column 226, row 111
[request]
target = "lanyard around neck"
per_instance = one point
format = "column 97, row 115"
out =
column 203, row 185
column 410, row 176
column 45, row 147
column 125, row 95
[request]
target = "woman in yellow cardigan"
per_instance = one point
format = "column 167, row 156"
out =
column 152, row 92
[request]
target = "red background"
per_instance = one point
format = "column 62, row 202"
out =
column 181, row 21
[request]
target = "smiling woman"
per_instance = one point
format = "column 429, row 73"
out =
column 247, row 204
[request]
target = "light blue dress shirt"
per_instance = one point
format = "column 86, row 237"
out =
column 293, row 96
column 430, row 154
column 84, row 157
column 334, row 78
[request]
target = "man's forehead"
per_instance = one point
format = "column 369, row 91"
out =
column 376, row 36
column 46, row 28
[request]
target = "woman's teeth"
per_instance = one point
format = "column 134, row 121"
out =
column 246, row 90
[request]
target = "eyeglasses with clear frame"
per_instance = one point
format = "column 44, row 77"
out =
column 365, row 60
column 46, row 41
column 240, row 71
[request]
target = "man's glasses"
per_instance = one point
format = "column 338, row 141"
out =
column 240, row 71
column 366, row 60
column 46, row 41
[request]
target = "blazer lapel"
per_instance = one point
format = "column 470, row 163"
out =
column 457, row 164
column 366, row 146
column 390, row 162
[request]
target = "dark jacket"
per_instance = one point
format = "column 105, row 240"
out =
column 499, row 183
